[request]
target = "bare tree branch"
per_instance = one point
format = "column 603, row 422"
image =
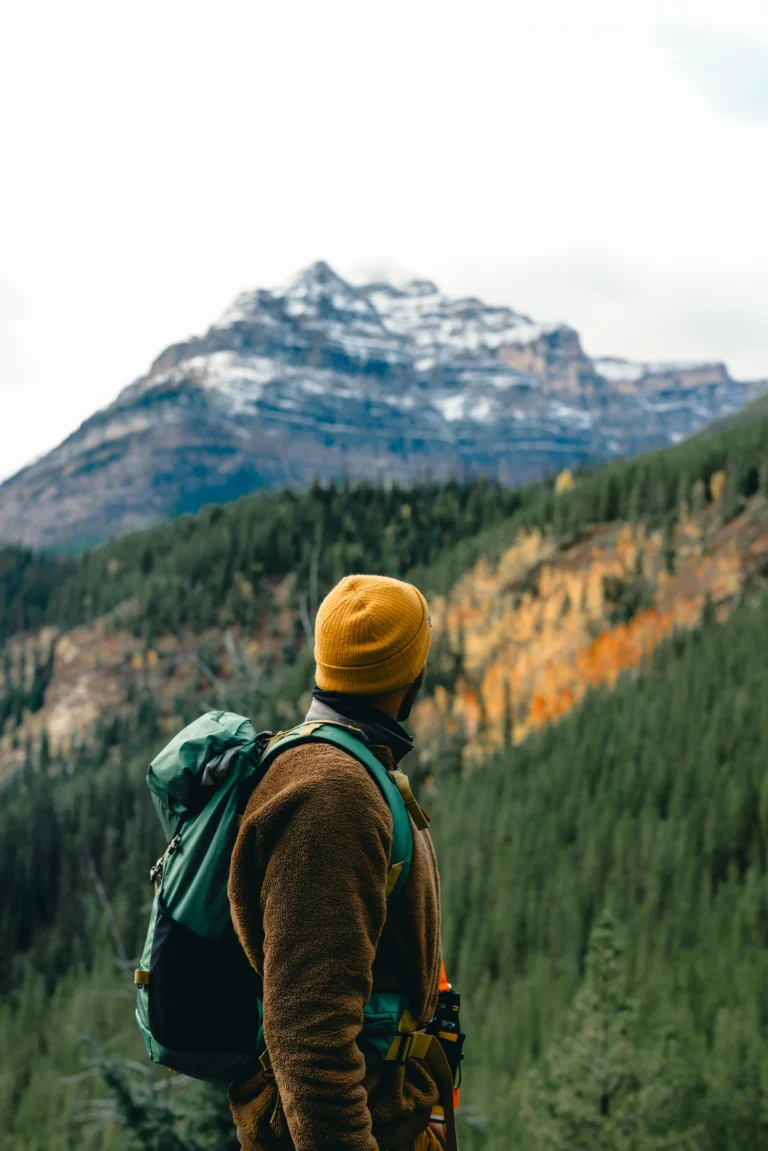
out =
column 234, row 655
column 203, row 667
column 89, row 1074
column 112, row 923
column 314, row 565
column 306, row 622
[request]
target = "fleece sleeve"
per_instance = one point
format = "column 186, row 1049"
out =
column 325, row 843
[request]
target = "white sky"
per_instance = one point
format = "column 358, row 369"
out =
column 603, row 162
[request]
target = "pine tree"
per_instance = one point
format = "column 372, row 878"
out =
column 196, row 1117
column 597, row 1091
column 150, row 1123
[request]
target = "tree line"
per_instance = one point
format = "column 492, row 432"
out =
column 217, row 567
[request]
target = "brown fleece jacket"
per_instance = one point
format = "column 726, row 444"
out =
column 307, row 890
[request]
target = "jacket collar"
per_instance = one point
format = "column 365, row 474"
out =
column 377, row 728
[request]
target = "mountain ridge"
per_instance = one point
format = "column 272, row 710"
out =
column 322, row 379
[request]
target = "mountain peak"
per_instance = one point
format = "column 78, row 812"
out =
column 322, row 377
column 315, row 283
column 317, row 276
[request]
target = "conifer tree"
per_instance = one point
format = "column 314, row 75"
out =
column 200, row 1120
column 149, row 1122
column 596, row 1090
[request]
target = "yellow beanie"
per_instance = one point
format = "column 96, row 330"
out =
column 372, row 635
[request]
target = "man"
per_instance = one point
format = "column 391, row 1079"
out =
column 308, row 896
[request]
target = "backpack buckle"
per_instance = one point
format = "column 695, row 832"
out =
column 156, row 870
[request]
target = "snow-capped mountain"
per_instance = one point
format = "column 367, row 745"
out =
column 323, row 378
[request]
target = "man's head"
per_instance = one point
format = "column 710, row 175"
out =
column 372, row 637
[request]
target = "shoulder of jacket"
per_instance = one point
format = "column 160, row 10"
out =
column 317, row 768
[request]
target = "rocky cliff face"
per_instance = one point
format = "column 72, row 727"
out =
column 325, row 379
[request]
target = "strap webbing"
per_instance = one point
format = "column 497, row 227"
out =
column 419, row 1045
column 417, row 813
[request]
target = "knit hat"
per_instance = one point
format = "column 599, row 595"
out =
column 372, row 635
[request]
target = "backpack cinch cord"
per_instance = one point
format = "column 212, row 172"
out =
column 156, row 870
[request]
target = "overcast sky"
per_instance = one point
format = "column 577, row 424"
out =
column 602, row 162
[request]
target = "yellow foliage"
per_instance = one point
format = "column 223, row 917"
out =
column 565, row 481
column 717, row 486
column 537, row 631
column 144, row 661
column 244, row 585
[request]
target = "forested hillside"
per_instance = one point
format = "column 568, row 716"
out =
column 207, row 568
column 628, row 605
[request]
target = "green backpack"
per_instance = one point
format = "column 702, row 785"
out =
column 199, row 1005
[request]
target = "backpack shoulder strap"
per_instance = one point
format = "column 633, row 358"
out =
column 349, row 739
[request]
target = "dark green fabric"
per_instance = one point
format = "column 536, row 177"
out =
column 200, row 782
column 176, row 775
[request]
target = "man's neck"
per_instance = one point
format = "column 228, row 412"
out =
column 376, row 725
column 389, row 704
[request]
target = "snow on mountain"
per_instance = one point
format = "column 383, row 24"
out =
column 615, row 369
column 322, row 378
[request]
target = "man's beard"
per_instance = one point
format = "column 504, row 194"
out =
column 409, row 698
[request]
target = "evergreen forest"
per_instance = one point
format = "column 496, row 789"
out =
column 605, row 882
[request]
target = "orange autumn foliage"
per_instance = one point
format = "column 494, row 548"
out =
column 537, row 628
